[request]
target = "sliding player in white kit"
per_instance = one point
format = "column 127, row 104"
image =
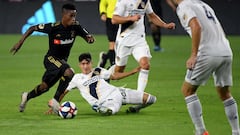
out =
column 211, row 55
column 131, row 36
column 102, row 96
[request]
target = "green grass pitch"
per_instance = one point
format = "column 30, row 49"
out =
column 168, row 116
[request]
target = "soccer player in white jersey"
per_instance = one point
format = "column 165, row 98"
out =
column 131, row 36
column 210, row 55
column 102, row 96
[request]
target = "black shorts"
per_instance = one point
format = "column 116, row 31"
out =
column 111, row 30
column 55, row 69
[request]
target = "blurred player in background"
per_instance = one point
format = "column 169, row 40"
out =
column 105, row 98
column 106, row 8
column 156, row 30
column 61, row 38
column 131, row 36
column 210, row 55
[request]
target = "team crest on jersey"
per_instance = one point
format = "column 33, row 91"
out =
column 55, row 24
column 184, row 17
column 41, row 26
column 58, row 35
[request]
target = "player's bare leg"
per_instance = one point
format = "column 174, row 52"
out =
column 230, row 107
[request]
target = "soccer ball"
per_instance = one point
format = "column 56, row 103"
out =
column 67, row 110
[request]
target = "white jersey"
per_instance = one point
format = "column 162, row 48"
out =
column 93, row 86
column 213, row 41
column 131, row 7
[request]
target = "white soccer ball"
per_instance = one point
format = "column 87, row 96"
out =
column 67, row 110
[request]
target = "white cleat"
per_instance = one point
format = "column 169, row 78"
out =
column 23, row 102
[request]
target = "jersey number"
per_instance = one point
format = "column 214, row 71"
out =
column 209, row 14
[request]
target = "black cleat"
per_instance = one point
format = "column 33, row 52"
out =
column 132, row 109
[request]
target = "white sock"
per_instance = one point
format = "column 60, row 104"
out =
column 231, row 111
column 142, row 80
column 195, row 111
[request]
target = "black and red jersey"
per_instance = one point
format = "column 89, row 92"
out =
column 61, row 38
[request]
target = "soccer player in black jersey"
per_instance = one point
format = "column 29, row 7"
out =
column 61, row 38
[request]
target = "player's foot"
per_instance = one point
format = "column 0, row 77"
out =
column 54, row 105
column 105, row 111
column 132, row 109
column 158, row 49
column 23, row 102
column 205, row 133
column 102, row 59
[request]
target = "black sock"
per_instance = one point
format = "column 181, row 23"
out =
column 111, row 56
column 62, row 87
column 36, row 92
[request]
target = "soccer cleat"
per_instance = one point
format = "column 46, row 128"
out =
column 102, row 59
column 205, row 133
column 132, row 109
column 54, row 105
column 105, row 111
column 158, row 49
column 23, row 102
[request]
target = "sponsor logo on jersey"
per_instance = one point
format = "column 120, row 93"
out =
column 63, row 42
column 92, row 80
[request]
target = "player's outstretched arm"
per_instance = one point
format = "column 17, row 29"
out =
column 18, row 45
column 119, row 75
column 159, row 22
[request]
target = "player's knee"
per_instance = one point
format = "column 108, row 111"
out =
column 42, row 87
column 69, row 72
column 144, row 63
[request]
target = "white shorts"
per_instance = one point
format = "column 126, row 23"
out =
column 122, row 96
column 130, row 96
column 218, row 66
column 131, row 44
column 113, row 101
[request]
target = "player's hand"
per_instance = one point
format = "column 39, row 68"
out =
column 191, row 62
column 135, row 18
column 103, row 17
column 170, row 26
column 90, row 39
column 15, row 48
column 137, row 69
column 49, row 111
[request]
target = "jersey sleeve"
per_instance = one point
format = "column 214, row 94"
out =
column 119, row 8
column 80, row 30
column 72, row 84
column 185, row 14
column 103, row 7
column 44, row 28
column 149, row 9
